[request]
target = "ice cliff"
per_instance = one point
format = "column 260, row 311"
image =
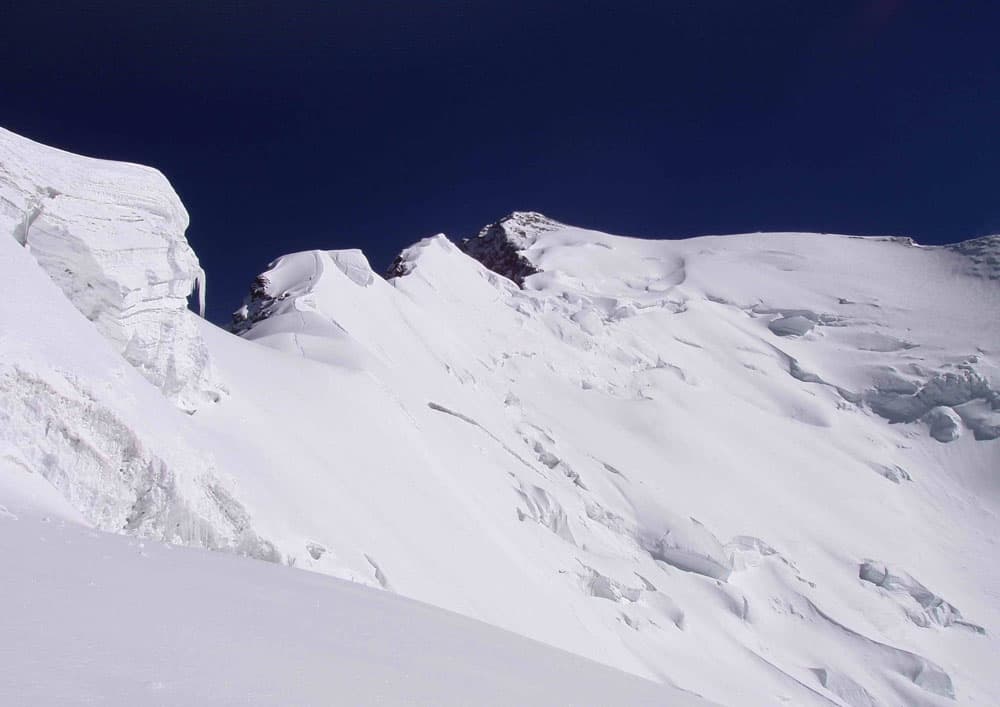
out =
column 111, row 236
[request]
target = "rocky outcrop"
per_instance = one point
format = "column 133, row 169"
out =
column 500, row 245
column 111, row 236
column 256, row 307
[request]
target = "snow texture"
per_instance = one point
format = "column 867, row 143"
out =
column 116, row 621
column 111, row 236
column 622, row 449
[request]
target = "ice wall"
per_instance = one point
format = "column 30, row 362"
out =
column 111, row 235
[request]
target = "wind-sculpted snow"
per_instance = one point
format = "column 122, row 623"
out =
column 921, row 605
column 671, row 457
column 687, row 545
column 946, row 402
column 292, row 276
column 111, row 235
column 656, row 418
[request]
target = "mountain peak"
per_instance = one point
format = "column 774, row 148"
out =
column 500, row 245
column 522, row 227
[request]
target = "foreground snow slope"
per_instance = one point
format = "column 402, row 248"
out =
column 91, row 618
column 762, row 468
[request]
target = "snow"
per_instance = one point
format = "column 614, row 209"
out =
column 111, row 235
column 92, row 618
column 922, row 606
column 629, row 454
column 657, row 432
column 76, row 413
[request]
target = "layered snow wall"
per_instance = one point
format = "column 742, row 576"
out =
column 111, row 236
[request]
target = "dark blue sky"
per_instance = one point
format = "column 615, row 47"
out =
column 370, row 124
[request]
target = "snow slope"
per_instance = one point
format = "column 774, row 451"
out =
column 695, row 439
column 762, row 468
column 91, row 618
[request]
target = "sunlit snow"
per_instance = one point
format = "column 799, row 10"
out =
column 760, row 468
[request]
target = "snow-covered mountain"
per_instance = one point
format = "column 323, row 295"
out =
column 761, row 468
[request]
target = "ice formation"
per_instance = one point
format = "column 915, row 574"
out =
column 111, row 236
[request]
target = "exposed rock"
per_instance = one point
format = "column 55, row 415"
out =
column 499, row 246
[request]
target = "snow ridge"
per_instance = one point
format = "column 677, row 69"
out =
column 554, row 330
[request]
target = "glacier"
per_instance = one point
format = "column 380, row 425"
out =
column 111, row 236
column 721, row 463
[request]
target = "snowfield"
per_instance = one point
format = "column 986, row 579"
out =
column 91, row 618
column 761, row 468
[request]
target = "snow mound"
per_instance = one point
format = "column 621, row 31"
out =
column 111, row 236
